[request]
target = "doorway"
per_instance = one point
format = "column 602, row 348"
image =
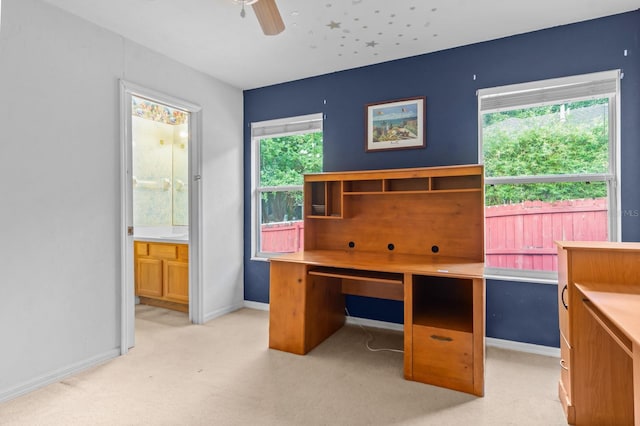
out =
column 161, row 202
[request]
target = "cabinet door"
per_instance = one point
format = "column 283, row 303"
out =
column 177, row 280
column 443, row 357
column 149, row 277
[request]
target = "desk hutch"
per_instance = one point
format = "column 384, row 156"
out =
column 412, row 235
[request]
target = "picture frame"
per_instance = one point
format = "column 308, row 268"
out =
column 397, row 124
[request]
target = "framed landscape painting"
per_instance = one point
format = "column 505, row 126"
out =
column 398, row 124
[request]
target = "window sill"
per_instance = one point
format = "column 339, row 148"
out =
column 519, row 278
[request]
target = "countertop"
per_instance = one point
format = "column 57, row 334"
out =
column 162, row 234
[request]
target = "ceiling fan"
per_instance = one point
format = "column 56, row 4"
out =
column 267, row 13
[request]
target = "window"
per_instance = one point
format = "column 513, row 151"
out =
column 282, row 152
column 549, row 150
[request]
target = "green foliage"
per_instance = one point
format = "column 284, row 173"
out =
column 509, row 194
column 283, row 162
column 540, row 141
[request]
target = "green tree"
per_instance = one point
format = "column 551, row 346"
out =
column 548, row 144
column 283, row 162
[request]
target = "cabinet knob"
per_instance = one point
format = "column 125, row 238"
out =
column 562, row 364
column 564, row 303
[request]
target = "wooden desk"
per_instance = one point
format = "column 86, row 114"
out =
column 618, row 266
column 444, row 308
column 607, row 353
column 413, row 235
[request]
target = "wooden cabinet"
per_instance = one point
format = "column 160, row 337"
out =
column 587, row 262
column 446, row 322
column 412, row 235
column 162, row 273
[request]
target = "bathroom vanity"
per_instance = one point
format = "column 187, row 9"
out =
column 162, row 272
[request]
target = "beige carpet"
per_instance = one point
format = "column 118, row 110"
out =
column 222, row 373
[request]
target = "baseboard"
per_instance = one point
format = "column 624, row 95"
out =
column 57, row 375
column 523, row 347
column 489, row 341
column 222, row 311
column 365, row 322
column 256, row 305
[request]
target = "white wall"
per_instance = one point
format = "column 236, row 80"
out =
column 59, row 189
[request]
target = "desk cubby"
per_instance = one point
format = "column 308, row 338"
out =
column 325, row 199
column 407, row 184
column 362, row 186
column 448, row 183
column 443, row 302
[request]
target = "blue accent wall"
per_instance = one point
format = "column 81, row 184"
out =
column 524, row 312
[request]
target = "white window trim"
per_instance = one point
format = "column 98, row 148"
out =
column 612, row 177
column 265, row 129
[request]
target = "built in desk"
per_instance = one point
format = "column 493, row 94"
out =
column 412, row 235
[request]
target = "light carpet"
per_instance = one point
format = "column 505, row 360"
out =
column 222, row 373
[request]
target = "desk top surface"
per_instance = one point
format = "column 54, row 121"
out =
column 387, row 262
column 599, row 245
column 620, row 303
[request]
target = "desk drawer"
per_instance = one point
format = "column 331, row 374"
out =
column 442, row 356
column 565, row 366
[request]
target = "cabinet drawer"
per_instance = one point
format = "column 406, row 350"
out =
column 565, row 366
column 563, row 293
column 163, row 251
column 563, row 309
column 442, row 355
column 183, row 252
column 142, row 249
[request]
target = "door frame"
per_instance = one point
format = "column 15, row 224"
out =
column 127, row 290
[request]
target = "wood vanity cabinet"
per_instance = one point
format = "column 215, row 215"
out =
column 162, row 272
column 582, row 263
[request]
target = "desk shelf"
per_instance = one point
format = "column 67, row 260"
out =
column 381, row 285
column 354, row 274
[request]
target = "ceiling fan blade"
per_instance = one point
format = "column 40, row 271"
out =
column 269, row 17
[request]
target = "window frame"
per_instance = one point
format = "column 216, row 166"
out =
column 270, row 129
column 553, row 87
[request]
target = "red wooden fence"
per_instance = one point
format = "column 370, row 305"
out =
column 519, row 236
column 282, row 237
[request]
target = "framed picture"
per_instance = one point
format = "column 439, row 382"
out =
column 396, row 124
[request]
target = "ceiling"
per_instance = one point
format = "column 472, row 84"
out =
column 322, row 36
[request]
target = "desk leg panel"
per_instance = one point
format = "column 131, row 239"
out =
column 408, row 329
column 287, row 295
column 303, row 310
column 479, row 332
column 325, row 309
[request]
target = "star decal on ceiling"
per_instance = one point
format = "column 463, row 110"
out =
column 333, row 25
column 372, row 44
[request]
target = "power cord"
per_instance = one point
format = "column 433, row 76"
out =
column 371, row 338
